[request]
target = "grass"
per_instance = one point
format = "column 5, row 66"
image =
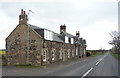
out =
column 116, row 56
column 23, row 66
column 96, row 54
column 3, row 64
column 2, row 52
column 28, row 66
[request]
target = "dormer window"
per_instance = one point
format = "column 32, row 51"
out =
column 69, row 40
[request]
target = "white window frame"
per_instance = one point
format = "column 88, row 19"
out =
column 72, row 41
column 76, row 51
column 44, row 56
column 48, row 35
column 68, row 53
column 53, row 55
column 61, row 54
column 84, row 51
column 73, row 53
column 66, row 39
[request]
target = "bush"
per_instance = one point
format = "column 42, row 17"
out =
column 88, row 54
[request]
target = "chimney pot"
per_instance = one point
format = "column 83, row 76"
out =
column 24, row 12
column 21, row 11
column 77, row 34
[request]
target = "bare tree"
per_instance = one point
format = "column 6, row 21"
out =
column 115, row 41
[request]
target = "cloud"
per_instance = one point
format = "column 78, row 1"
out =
column 93, row 18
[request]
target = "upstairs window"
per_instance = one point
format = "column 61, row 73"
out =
column 69, row 40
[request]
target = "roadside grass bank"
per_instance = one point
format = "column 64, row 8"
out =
column 94, row 54
column 28, row 66
column 97, row 54
column 116, row 56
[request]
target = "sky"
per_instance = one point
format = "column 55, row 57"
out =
column 95, row 19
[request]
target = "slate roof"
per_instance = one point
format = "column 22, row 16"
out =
column 56, row 36
column 34, row 27
column 67, row 34
column 38, row 30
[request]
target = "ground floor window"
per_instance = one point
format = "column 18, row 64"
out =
column 84, row 51
column 69, row 53
column 53, row 55
column 44, row 55
column 61, row 54
column 73, row 53
column 76, row 51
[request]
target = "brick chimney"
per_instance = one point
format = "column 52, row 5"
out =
column 63, row 28
column 23, row 17
column 77, row 34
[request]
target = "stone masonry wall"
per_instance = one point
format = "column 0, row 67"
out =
column 17, row 47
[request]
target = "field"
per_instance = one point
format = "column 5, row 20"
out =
column 2, row 52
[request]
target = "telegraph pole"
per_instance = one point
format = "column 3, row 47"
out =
column 28, row 37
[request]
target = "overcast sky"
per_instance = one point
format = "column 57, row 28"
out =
column 95, row 19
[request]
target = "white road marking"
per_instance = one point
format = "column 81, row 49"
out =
column 87, row 72
column 101, row 59
column 92, row 67
column 97, row 63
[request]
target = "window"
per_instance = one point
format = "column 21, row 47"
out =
column 73, row 54
column 69, row 40
column 44, row 56
column 84, row 51
column 72, row 41
column 48, row 35
column 66, row 39
column 76, row 51
column 61, row 54
column 69, row 53
column 53, row 55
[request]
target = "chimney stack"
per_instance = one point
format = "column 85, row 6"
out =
column 23, row 17
column 63, row 28
column 77, row 34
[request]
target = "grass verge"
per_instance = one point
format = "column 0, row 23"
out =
column 96, row 54
column 116, row 56
column 28, row 66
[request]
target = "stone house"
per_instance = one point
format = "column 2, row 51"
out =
column 29, row 44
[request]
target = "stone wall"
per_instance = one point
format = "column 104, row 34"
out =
column 56, row 51
column 21, row 49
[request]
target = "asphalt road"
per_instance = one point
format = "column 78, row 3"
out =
column 104, row 65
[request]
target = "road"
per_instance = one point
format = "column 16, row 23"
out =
column 104, row 65
column 99, row 66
